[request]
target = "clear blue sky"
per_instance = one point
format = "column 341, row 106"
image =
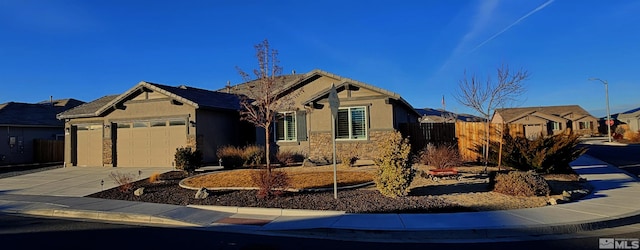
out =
column 418, row 49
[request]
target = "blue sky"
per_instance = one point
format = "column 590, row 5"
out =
column 418, row 49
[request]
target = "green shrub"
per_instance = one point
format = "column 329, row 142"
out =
column 187, row 159
column 253, row 155
column 231, row 156
column 520, row 183
column 545, row 154
column 394, row 174
column 443, row 156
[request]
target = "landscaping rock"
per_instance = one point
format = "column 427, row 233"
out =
column 308, row 163
column 202, row 193
column 139, row 192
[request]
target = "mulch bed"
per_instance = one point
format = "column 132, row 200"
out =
column 352, row 201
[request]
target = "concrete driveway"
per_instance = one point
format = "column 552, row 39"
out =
column 71, row 181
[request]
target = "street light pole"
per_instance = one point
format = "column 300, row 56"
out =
column 606, row 91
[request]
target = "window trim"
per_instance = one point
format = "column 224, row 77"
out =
column 350, row 124
column 283, row 115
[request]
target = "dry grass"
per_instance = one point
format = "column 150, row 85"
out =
column 301, row 178
column 154, row 177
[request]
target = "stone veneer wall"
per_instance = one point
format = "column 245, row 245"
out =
column 322, row 146
column 107, row 152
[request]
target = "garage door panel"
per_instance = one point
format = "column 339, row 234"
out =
column 89, row 147
column 149, row 146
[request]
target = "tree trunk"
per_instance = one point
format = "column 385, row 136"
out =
column 267, row 145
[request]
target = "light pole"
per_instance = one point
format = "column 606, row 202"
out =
column 606, row 92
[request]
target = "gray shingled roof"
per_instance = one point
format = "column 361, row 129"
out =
column 199, row 98
column 511, row 113
column 288, row 81
column 88, row 109
column 34, row 114
column 202, row 97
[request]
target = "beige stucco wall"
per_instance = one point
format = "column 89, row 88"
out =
column 136, row 109
column 380, row 112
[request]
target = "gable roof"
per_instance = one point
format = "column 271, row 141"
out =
column 287, row 82
column 34, row 114
column 510, row 114
column 198, row 98
column 628, row 112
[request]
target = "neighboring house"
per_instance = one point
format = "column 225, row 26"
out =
column 366, row 113
column 22, row 123
column 146, row 124
column 548, row 120
column 631, row 118
column 429, row 115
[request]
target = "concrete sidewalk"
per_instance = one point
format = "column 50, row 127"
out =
column 615, row 201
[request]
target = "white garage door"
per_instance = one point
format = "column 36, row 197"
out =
column 149, row 143
column 88, row 145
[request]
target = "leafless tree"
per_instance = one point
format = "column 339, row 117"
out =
column 265, row 95
column 484, row 96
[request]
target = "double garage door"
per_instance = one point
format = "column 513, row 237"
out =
column 149, row 143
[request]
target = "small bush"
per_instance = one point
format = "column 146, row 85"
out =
column 632, row 136
column 520, row 183
column 124, row 181
column 270, row 183
column 286, row 158
column 347, row 160
column 545, row 154
column 232, row 157
column 394, row 174
column 253, row 155
column 154, row 177
column 188, row 159
column 443, row 156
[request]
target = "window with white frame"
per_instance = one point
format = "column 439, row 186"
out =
column 584, row 125
column 556, row 125
column 351, row 123
column 286, row 126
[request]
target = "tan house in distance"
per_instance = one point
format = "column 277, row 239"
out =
column 366, row 113
column 143, row 126
column 631, row 118
column 548, row 120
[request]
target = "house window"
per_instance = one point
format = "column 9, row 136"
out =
column 556, row 125
column 351, row 123
column 584, row 125
column 286, row 126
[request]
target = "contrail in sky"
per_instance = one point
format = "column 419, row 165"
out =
column 514, row 23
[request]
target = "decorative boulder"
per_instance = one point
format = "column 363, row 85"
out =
column 139, row 191
column 308, row 163
column 202, row 194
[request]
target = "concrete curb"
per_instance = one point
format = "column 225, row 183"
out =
column 268, row 211
column 107, row 216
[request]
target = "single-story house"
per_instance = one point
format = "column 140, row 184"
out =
column 429, row 115
column 366, row 113
column 548, row 120
column 631, row 118
column 22, row 123
column 146, row 124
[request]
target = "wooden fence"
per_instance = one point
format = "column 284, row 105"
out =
column 472, row 134
column 45, row 151
column 422, row 134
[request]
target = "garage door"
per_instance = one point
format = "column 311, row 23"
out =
column 89, row 145
column 149, row 143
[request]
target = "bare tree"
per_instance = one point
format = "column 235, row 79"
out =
column 264, row 97
column 485, row 96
